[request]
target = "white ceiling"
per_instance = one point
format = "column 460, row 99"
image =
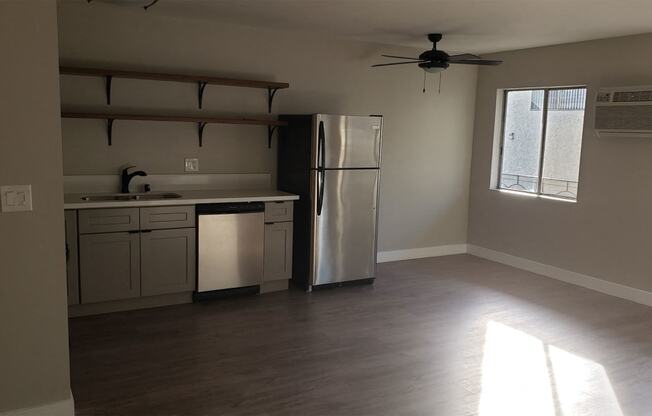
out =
column 478, row 26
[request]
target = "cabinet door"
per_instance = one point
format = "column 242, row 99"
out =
column 72, row 257
column 109, row 266
column 278, row 251
column 167, row 261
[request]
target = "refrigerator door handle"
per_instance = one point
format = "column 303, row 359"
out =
column 321, row 147
column 320, row 193
column 321, row 156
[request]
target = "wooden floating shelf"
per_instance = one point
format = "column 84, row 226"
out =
column 200, row 80
column 158, row 76
column 187, row 119
column 201, row 121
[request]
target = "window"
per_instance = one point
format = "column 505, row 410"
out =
column 541, row 141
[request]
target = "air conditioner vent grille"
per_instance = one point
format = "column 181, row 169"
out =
column 626, row 117
column 631, row 96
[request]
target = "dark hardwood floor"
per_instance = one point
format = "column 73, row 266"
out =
column 453, row 335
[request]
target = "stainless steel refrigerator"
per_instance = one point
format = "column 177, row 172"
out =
column 333, row 163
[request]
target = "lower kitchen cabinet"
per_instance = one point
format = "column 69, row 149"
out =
column 109, row 266
column 278, row 251
column 167, row 261
column 131, row 258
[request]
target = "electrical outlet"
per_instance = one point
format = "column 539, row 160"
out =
column 192, row 165
column 16, row 198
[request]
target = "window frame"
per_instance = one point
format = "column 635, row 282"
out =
column 542, row 148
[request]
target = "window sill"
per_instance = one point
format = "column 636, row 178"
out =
column 534, row 196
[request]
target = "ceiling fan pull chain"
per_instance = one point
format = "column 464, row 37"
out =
column 424, row 82
column 440, row 75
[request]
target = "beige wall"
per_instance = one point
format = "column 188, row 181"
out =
column 427, row 140
column 606, row 234
column 33, row 316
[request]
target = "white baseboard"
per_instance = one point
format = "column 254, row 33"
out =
column 590, row 282
column 418, row 253
column 60, row 408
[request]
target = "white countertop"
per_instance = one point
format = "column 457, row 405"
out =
column 188, row 197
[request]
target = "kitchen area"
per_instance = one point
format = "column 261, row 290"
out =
column 137, row 239
column 140, row 239
column 182, row 238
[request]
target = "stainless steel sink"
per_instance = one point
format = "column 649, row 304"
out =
column 148, row 196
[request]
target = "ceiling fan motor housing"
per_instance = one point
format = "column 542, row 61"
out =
column 434, row 56
column 437, row 61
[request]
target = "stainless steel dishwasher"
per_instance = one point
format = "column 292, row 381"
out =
column 230, row 241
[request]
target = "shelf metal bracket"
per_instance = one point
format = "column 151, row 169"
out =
column 150, row 4
column 200, row 92
column 200, row 132
column 270, row 133
column 107, row 84
column 109, row 130
column 271, row 92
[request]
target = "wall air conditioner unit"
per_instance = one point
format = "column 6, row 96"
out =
column 624, row 112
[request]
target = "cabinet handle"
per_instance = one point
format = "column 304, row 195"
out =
column 145, row 231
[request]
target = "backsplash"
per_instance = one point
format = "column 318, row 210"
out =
column 221, row 181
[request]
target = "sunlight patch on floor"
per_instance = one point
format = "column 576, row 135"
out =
column 582, row 385
column 523, row 376
column 514, row 375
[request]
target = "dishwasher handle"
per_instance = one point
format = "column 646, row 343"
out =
column 230, row 208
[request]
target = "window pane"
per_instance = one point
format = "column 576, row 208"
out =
column 522, row 140
column 561, row 159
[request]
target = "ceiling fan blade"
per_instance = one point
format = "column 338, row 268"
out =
column 399, row 63
column 464, row 56
column 400, row 57
column 476, row 62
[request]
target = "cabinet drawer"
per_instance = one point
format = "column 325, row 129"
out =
column 278, row 211
column 154, row 218
column 108, row 220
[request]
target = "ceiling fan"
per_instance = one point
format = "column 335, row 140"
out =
column 434, row 60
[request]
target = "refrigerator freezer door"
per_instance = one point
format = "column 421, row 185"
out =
column 344, row 234
column 347, row 141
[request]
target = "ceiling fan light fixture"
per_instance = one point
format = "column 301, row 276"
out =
column 434, row 67
column 434, row 70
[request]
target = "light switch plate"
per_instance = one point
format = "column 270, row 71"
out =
column 192, row 165
column 16, row 198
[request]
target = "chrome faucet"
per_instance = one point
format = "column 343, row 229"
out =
column 126, row 177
